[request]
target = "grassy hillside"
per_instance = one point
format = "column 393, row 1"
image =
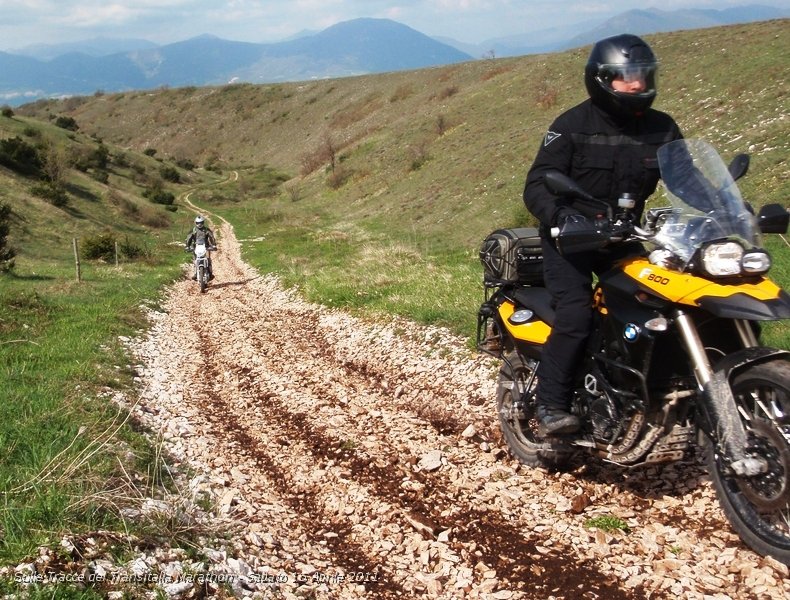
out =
column 59, row 348
column 392, row 180
column 371, row 193
column 443, row 148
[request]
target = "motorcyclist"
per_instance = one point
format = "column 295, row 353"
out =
column 201, row 234
column 608, row 145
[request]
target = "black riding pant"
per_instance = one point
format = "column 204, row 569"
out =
column 569, row 280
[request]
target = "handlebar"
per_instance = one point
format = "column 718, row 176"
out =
column 599, row 233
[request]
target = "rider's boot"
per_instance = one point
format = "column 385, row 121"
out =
column 556, row 421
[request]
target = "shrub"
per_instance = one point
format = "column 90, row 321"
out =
column 121, row 160
column 170, row 174
column 67, row 123
column 419, row 156
column 149, row 151
column 185, row 163
column 131, row 250
column 7, row 111
column 101, row 246
column 6, row 252
column 52, row 193
column 18, row 155
column 448, row 92
column 338, row 177
column 98, row 158
column 98, row 247
column 160, row 196
column 100, row 176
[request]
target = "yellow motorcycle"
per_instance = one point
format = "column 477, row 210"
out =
column 675, row 358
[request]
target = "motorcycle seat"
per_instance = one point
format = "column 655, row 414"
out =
column 538, row 299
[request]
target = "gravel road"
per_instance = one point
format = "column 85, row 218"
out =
column 352, row 458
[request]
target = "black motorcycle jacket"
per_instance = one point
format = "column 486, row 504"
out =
column 606, row 156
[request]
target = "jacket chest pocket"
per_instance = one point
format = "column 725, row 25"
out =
column 595, row 173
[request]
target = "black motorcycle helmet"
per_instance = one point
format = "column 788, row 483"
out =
column 623, row 56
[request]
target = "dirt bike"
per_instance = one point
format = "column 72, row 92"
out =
column 202, row 255
column 675, row 357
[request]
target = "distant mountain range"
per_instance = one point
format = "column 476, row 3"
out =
column 356, row 47
column 639, row 22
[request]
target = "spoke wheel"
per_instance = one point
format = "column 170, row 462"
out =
column 759, row 507
column 202, row 278
column 516, row 411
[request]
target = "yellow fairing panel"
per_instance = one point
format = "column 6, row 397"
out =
column 534, row 332
column 685, row 288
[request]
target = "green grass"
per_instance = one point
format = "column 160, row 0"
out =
column 372, row 263
column 60, row 440
column 358, row 265
column 426, row 164
column 608, row 523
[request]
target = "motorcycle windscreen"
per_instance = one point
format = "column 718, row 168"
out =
column 705, row 201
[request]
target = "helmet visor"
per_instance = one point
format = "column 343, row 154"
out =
column 645, row 74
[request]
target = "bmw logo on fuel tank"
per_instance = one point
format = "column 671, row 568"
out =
column 631, row 332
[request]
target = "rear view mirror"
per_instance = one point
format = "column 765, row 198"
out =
column 560, row 184
column 739, row 166
column 773, row 218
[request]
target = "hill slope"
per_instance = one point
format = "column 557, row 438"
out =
column 102, row 191
column 445, row 150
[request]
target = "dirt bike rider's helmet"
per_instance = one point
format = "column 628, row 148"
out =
column 200, row 222
column 626, row 57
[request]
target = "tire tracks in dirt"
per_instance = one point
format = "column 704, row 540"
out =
column 496, row 544
column 323, row 429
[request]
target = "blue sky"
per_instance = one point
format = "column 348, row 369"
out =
column 26, row 22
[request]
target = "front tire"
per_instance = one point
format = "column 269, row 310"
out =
column 202, row 278
column 758, row 508
column 517, row 420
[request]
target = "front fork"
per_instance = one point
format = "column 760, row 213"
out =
column 726, row 428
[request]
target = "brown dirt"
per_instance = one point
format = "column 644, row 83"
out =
column 342, row 448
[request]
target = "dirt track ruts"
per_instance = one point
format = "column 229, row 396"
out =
column 344, row 446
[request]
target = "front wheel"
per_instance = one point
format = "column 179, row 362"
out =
column 515, row 401
column 202, row 278
column 758, row 508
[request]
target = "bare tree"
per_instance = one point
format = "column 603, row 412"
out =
column 56, row 163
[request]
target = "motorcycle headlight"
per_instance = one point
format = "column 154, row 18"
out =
column 756, row 262
column 729, row 259
column 722, row 260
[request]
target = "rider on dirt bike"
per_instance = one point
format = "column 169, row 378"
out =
column 201, row 234
column 608, row 145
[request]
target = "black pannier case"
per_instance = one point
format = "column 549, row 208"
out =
column 512, row 256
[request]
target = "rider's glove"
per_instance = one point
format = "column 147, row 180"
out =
column 563, row 213
column 576, row 223
column 576, row 233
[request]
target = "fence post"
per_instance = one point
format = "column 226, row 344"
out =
column 76, row 258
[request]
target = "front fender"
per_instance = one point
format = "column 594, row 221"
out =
column 732, row 363
column 721, row 420
column 745, row 306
